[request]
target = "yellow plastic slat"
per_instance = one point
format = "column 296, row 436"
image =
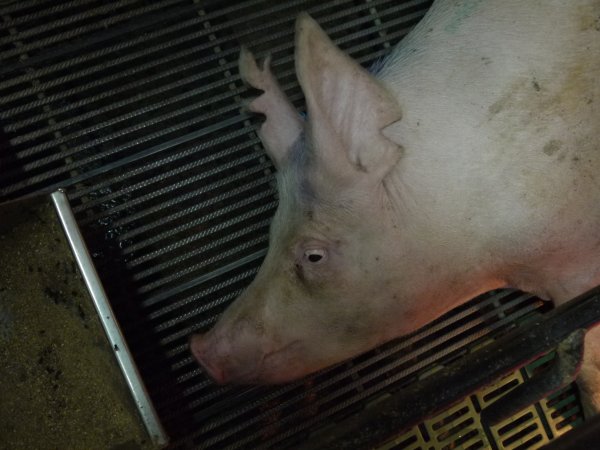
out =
column 511, row 434
column 457, row 428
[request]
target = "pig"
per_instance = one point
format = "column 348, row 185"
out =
column 469, row 161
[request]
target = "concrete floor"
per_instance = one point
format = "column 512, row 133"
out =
column 61, row 387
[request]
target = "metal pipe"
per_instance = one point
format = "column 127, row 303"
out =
column 108, row 319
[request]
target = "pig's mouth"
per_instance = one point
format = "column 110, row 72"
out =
column 215, row 373
column 279, row 366
column 273, row 367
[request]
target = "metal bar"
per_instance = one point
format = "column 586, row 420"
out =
column 86, row 58
column 155, row 164
column 127, row 118
column 191, row 79
column 77, row 45
column 108, row 319
column 223, row 256
column 238, row 35
column 88, row 71
column 459, row 380
column 246, row 275
column 69, row 19
column 255, row 172
column 40, row 13
column 212, row 245
column 158, row 253
column 21, row 4
column 142, row 154
column 167, row 235
column 195, row 80
column 562, row 372
column 163, row 295
column 152, row 197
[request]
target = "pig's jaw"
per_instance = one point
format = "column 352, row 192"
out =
column 278, row 366
column 282, row 366
column 214, row 372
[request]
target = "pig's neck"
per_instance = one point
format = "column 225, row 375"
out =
column 442, row 262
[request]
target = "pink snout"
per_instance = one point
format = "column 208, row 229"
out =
column 228, row 361
column 246, row 361
column 201, row 350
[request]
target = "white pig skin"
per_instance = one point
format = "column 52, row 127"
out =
column 469, row 162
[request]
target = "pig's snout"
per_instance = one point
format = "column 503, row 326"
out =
column 246, row 359
column 228, row 359
column 201, row 349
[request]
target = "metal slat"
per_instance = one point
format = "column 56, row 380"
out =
column 79, row 164
column 85, row 59
column 128, row 118
column 205, row 129
column 211, row 246
column 256, row 171
column 223, row 256
column 199, row 307
column 167, row 59
column 166, row 235
column 97, row 111
column 159, row 47
column 182, row 287
column 82, row 30
column 116, row 32
column 41, row 13
column 109, row 183
column 192, row 239
column 23, row 4
column 59, row 23
column 187, row 195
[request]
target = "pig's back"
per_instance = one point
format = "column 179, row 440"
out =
column 501, row 121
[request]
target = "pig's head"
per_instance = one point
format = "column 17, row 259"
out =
column 325, row 291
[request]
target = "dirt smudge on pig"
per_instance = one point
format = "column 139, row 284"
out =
column 552, row 147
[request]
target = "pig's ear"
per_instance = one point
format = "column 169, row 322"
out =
column 283, row 124
column 347, row 107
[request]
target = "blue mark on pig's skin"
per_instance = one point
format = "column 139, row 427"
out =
column 377, row 65
column 297, row 155
column 292, row 181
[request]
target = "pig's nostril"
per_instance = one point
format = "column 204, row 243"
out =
column 199, row 351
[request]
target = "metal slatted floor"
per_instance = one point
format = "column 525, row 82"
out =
column 134, row 106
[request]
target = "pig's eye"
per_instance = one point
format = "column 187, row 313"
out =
column 315, row 255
